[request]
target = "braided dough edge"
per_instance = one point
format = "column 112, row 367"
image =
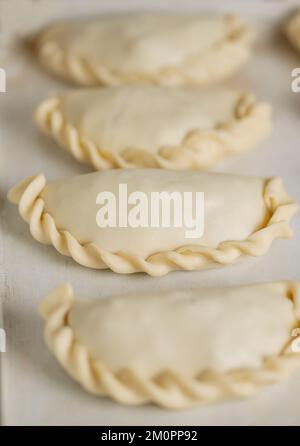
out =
column 166, row 389
column 199, row 149
column 210, row 66
column 43, row 228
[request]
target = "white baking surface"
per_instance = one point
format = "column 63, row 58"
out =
column 34, row 388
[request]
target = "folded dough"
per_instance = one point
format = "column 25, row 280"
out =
column 152, row 48
column 202, row 345
column 292, row 30
column 243, row 215
column 153, row 126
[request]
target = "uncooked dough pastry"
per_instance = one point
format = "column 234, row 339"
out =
column 153, row 126
column 202, row 345
column 242, row 216
column 292, row 30
column 154, row 48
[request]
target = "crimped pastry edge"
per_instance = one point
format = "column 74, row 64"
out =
column 166, row 389
column 230, row 53
column 43, row 228
column 199, row 149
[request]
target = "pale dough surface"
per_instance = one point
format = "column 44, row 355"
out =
column 234, row 208
column 148, row 41
column 242, row 216
column 176, row 348
column 146, row 117
column 149, row 48
column 154, row 126
column 185, row 331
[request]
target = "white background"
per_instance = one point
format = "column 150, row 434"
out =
column 34, row 388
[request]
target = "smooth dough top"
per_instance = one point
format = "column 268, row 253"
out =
column 140, row 42
column 146, row 117
column 186, row 331
column 234, row 208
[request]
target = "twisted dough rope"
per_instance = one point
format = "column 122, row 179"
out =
column 209, row 66
column 280, row 208
column 167, row 389
column 199, row 149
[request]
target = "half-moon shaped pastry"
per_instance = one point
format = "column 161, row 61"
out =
column 168, row 49
column 292, row 30
column 242, row 216
column 177, row 348
column 152, row 126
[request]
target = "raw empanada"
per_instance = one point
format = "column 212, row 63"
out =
column 292, row 30
column 242, row 216
column 152, row 48
column 150, row 126
column 176, row 348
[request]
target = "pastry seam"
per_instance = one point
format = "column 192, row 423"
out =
column 199, row 149
column 279, row 205
column 167, row 389
column 231, row 52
